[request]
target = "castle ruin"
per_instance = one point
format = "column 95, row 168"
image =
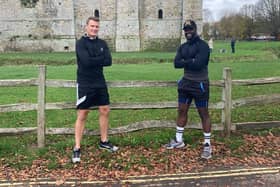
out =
column 126, row 25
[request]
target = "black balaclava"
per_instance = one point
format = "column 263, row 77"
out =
column 190, row 30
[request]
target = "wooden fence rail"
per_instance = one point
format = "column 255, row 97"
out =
column 226, row 104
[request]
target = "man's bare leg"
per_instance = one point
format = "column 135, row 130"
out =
column 104, row 112
column 80, row 126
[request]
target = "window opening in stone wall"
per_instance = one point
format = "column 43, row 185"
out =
column 29, row 3
column 160, row 14
column 96, row 13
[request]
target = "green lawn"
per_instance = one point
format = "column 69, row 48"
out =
column 268, row 67
column 252, row 60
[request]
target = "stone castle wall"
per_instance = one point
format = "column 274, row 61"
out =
column 127, row 25
column 45, row 26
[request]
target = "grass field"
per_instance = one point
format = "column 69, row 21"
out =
column 251, row 60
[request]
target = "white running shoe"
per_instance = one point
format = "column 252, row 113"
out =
column 173, row 144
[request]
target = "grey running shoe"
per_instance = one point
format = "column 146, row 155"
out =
column 76, row 158
column 207, row 151
column 173, row 144
column 108, row 146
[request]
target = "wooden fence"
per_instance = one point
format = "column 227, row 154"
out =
column 226, row 105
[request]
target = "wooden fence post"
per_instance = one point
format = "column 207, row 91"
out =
column 41, row 106
column 226, row 98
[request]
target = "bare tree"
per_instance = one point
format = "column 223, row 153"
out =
column 234, row 25
column 208, row 21
column 262, row 17
column 207, row 16
column 268, row 12
column 248, row 12
column 206, row 31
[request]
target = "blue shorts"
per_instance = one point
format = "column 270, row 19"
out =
column 88, row 97
column 197, row 90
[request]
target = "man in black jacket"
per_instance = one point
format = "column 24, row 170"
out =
column 193, row 56
column 92, row 55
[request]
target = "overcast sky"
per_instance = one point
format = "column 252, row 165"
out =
column 222, row 7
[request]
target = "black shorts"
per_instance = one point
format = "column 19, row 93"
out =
column 197, row 90
column 88, row 97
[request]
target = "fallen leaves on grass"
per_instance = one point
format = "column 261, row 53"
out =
column 99, row 165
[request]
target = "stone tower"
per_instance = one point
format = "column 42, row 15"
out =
column 44, row 25
column 126, row 25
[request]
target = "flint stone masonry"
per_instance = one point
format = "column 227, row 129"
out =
column 126, row 25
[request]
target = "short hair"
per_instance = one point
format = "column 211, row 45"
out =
column 93, row 19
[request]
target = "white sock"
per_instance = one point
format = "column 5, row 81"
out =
column 179, row 133
column 207, row 137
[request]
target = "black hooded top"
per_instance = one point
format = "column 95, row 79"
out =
column 92, row 56
column 193, row 56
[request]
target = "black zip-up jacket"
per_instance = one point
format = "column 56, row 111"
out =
column 92, row 56
column 193, row 56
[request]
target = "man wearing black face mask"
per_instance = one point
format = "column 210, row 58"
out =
column 193, row 56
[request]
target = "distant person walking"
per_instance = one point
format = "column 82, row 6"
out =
column 211, row 44
column 232, row 44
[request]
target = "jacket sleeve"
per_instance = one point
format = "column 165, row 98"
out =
column 84, row 57
column 201, row 59
column 179, row 61
column 107, row 56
